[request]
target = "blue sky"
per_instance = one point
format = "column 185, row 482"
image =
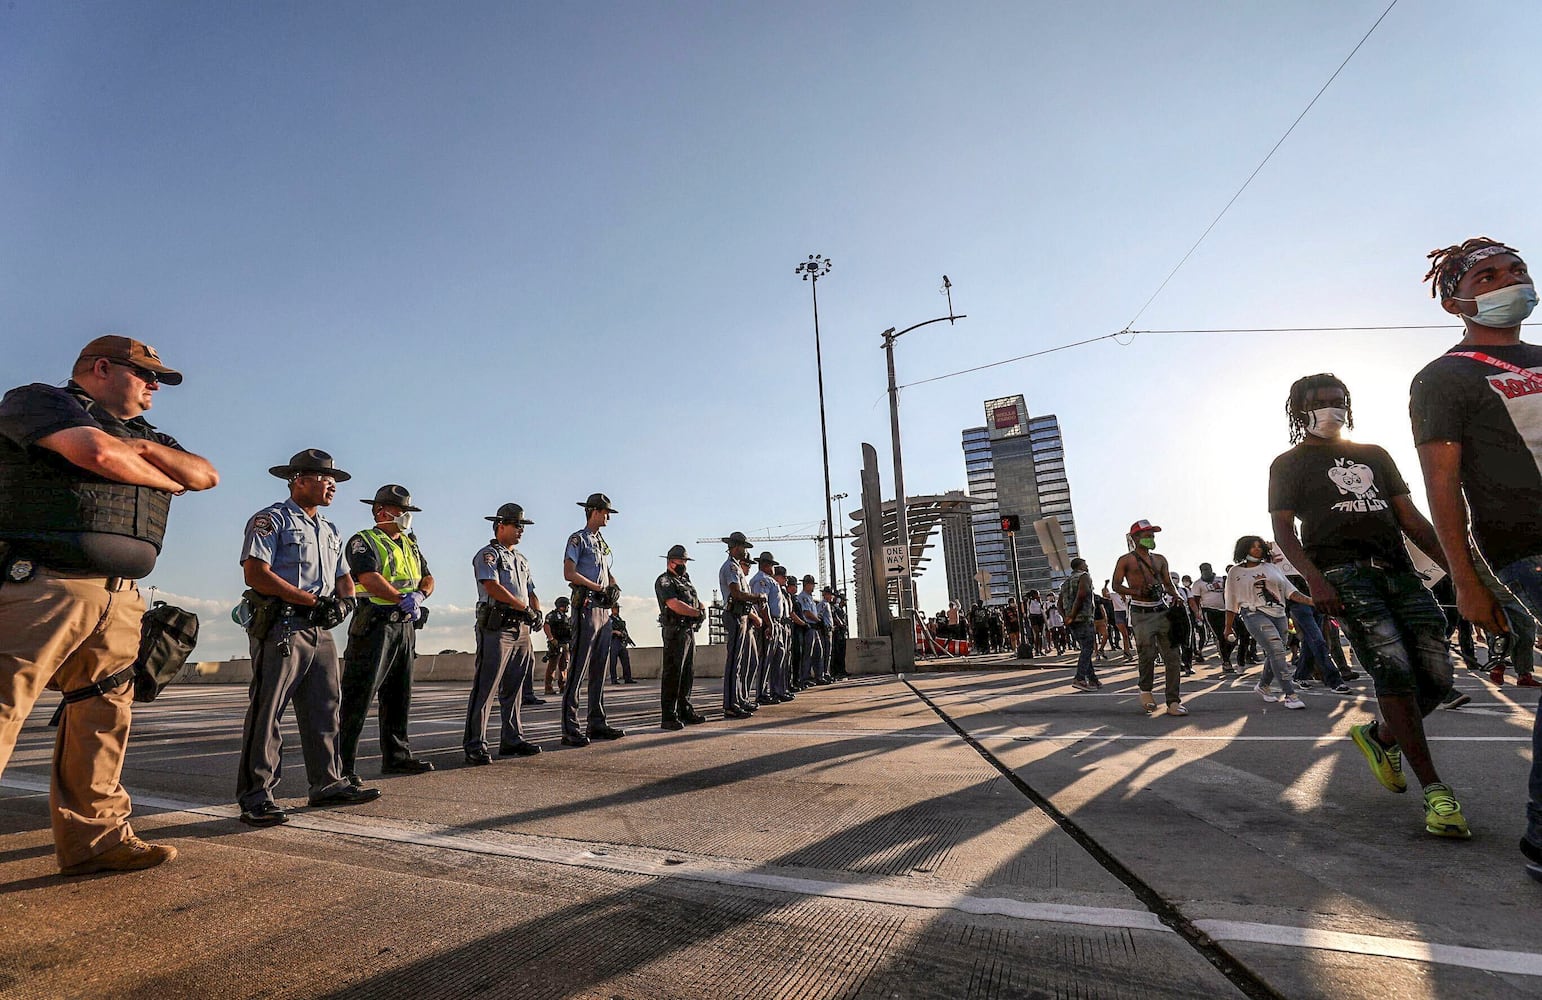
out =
column 525, row 252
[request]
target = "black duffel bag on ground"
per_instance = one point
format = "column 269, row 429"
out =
column 167, row 638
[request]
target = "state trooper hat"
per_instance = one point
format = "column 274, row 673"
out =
column 735, row 540
column 509, row 513
column 396, row 496
column 779, row 571
column 310, row 460
column 766, row 557
column 808, row 578
column 598, row 501
column 677, row 552
column 828, row 590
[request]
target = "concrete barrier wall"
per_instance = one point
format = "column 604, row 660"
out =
column 863, row 656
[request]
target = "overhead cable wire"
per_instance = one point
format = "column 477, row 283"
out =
column 1275, row 148
column 1237, row 329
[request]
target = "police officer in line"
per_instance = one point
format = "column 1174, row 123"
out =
column 771, row 680
column 507, row 608
column 807, row 607
column 796, row 627
column 85, row 489
column 681, row 613
column 299, row 589
column 620, row 639
column 827, row 632
column 559, row 640
column 838, row 636
column 586, row 567
column 388, row 566
column 755, row 662
column 737, row 604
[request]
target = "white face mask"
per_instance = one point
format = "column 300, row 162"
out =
column 1504, row 307
column 404, row 520
column 1327, row 421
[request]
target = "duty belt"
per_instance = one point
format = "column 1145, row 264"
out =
column 1382, row 564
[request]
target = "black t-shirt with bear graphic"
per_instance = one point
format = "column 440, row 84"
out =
column 1342, row 494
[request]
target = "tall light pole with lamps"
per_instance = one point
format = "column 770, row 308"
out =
column 841, row 534
column 816, row 267
column 901, row 523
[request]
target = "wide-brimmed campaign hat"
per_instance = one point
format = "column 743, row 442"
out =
column 779, row 571
column 766, row 557
column 131, row 352
column 310, row 460
column 396, row 496
column 735, row 540
column 598, row 501
column 808, row 578
column 509, row 513
column 677, row 552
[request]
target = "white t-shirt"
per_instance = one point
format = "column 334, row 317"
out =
column 1211, row 595
column 1035, row 606
column 1259, row 587
column 1054, row 617
column 1118, row 600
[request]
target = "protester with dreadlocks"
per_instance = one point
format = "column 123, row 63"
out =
column 1477, row 420
column 1354, row 510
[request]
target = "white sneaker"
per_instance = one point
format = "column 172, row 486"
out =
column 1291, row 701
column 1176, row 708
column 1265, row 693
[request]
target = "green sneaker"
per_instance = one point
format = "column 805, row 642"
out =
column 1386, row 764
column 1443, row 814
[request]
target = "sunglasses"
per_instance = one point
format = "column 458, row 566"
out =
column 144, row 375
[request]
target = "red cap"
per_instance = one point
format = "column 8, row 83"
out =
column 1142, row 526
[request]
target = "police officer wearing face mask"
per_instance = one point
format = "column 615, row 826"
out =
column 299, row 589
column 507, row 608
column 681, row 613
column 586, row 567
column 382, row 639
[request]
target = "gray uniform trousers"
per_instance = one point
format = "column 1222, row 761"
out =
column 755, row 673
column 736, row 663
column 503, row 663
column 774, row 679
column 309, row 676
column 824, row 654
column 813, row 665
column 677, row 674
column 591, row 648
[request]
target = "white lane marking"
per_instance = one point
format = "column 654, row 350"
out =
column 1165, row 738
column 603, row 858
column 1492, row 960
column 1523, row 963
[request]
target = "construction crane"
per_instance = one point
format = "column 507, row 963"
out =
column 818, row 540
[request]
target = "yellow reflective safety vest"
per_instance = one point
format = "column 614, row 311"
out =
column 400, row 562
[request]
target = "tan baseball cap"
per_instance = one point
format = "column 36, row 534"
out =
column 131, row 352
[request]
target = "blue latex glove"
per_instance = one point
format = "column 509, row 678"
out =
column 412, row 605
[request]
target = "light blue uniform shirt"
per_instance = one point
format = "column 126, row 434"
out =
column 809, row 605
column 730, row 573
column 590, row 555
column 304, row 552
column 508, row 567
column 764, row 583
column 826, row 614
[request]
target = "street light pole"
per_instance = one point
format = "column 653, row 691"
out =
column 901, row 521
column 816, row 267
column 840, row 516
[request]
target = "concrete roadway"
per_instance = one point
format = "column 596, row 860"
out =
column 980, row 834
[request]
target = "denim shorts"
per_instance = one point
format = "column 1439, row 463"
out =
column 1397, row 630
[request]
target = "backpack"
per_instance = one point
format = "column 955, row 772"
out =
column 167, row 638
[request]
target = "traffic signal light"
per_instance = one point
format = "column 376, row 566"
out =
column 1011, row 522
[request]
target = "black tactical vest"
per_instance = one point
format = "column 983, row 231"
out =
column 42, row 492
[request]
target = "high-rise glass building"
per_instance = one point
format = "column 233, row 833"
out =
column 1016, row 465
